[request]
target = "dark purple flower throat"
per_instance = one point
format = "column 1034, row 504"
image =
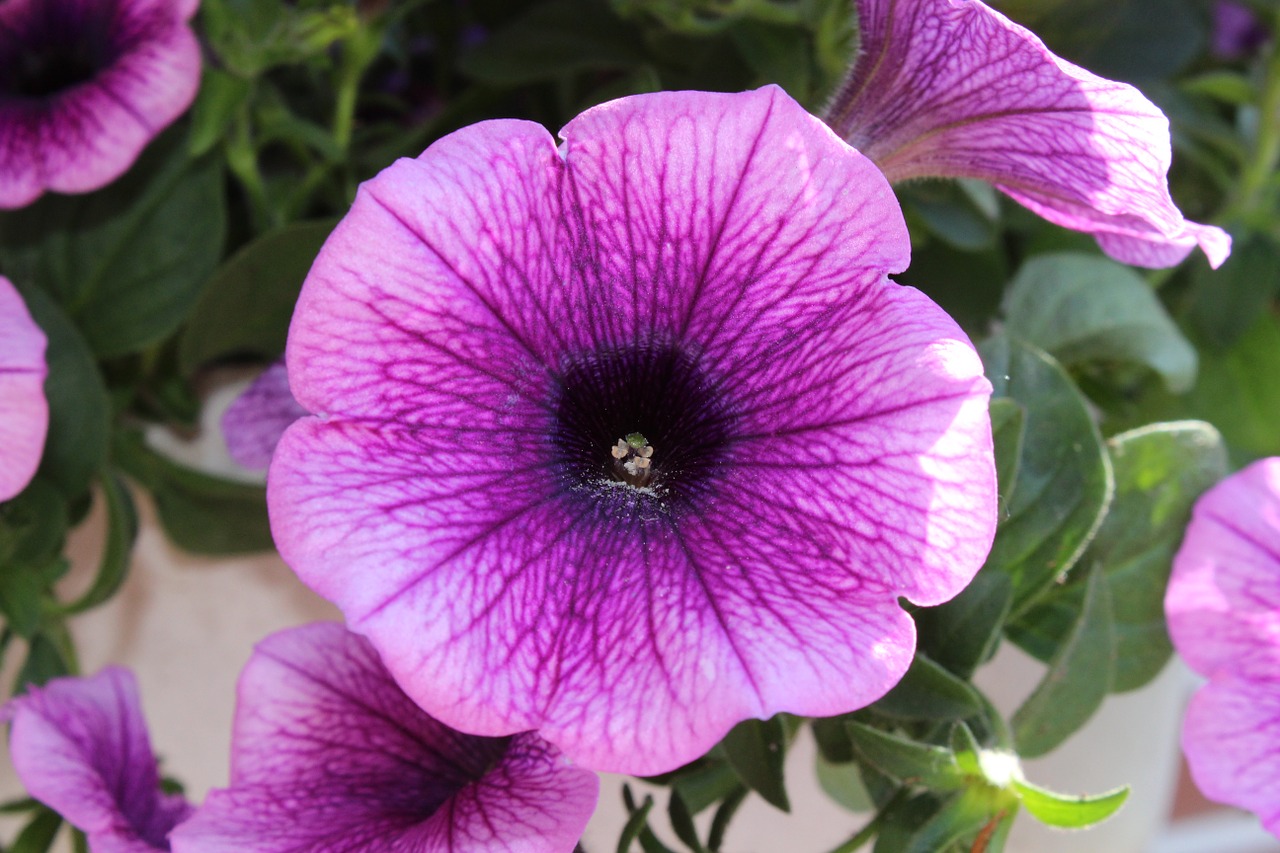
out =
column 639, row 429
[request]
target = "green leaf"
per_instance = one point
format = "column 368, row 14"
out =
column 706, row 785
column 637, row 826
column 1078, row 679
column 777, row 53
column 1070, row 812
column 1130, row 40
column 1085, row 309
column 967, row 285
column 682, row 822
column 1008, row 431
column 79, row 409
column 724, row 814
column 33, row 531
column 126, row 262
column 221, row 95
column 929, row 692
column 960, row 818
column 1160, row 472
column 246, row 306
column 757, row 750
column 963, row 633
column 968, row 753
column 33, row 525
column 201, row 513
column 906, row 760
column 113, row 566
column 1064, row 479
column 843, row 784
column 952, row 212
column 1225, row 302
column 554, row 38
column 1229, row 87
column 37, row 836
column 44, row 662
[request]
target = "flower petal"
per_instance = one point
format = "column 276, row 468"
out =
column 1229, row 736
column 24, row 411
column 254, row 422
column 80, row 746
column 326, row 746
column 952, row 88
column 1223, row 601
column 436, row 330
column 86, row 135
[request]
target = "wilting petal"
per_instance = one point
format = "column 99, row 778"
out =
column 254, row 422
column 80, row 746
column 1223, row 609
column 24, row 412
column 326, row 747
column 708, row 270
column 85, row 85
column 952, row 88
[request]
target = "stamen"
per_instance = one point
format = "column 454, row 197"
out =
column 634, row 460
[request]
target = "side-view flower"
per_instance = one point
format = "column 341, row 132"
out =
column 24, row 411
column 1223, row 609
column 953, row 88
column 327, row 747
column 85, row 85
column 80, row 746
column 630, row 439
column 254, row 422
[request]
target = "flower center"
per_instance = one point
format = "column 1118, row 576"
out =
column 675, row 428
column 57, row 48
column 633, row 460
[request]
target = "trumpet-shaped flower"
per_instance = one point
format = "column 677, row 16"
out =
column 1223, row 609
column 952, row 88
column 24, row 411
column 254, row 422
column 80, row 746
column 328, row 753
column 85, row 85
column 631, row 439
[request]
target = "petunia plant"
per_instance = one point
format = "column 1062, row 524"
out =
column 650, row 385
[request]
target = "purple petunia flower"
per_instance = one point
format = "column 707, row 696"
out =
column 80, row 746
column 255, row 420
column 1237, row 32
column 85, row 85
column 24, row 412
column 327, row 747
column 631, row 439
column 1223, row 609
column 952, row 88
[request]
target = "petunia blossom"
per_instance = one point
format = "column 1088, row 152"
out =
column 953, row 88
column 630, row 439
column 24, row 411
column 80, row 746
column 1237, row 31
column 1223, row 609
column 255, row 420
column 85, row 85
column 327, row 747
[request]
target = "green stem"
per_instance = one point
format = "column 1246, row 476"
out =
column 242, row 157
column 868, row 832
column 1260, row 169
column 872, row 829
